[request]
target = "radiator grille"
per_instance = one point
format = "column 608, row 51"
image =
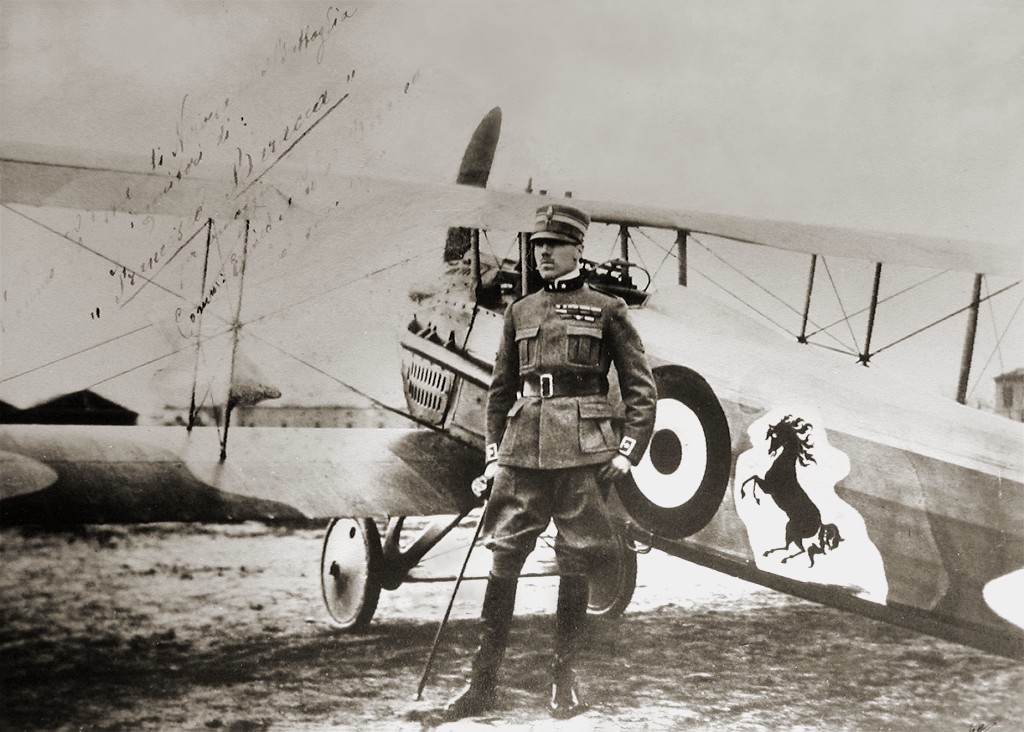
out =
column 428, row 389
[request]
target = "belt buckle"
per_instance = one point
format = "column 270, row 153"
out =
column 547, row 385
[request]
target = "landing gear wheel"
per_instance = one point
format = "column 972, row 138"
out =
column 679, row 483
column 348, row 571
column 612, row 589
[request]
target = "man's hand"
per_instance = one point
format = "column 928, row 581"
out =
column 481, row 486
column 616, row 468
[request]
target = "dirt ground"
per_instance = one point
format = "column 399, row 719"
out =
column 222, row 627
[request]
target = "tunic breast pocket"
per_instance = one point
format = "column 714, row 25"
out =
column 583, row 344
column 526, row 340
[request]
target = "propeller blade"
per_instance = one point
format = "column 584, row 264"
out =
column 474, row 171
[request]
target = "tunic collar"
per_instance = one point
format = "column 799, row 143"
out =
column 566, row 283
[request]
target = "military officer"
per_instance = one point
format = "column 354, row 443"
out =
column 553, row 440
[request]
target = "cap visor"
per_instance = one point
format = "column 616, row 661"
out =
column 553, row 236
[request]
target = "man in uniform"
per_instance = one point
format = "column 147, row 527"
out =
column 553, row 439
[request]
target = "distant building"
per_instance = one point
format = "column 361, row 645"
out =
column 344, row 416
column 1010, row 394
column 318, row 416
column 80, row 407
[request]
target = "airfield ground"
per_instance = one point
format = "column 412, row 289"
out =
column 221, row 627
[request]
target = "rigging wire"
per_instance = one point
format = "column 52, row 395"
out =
column 287, row 150
column 636, row 249
column 146, row 280
column 669, row 252
column 943, row 319
column 845, row 351
column 615, row 246
column 842, row 307
column 93, row 251
column 997, row 347
column 884, row 299
column 661, row 265
column 733, row 295
column 180, row 296
column 377, row 402
column 155, row 359
column 747, row 277
column 995, row 327
column 76, row 353
column 166, row 262
column 494, row 252
column 346, row 283
column 843, row 347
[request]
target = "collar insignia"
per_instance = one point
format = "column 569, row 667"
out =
column 574, row 283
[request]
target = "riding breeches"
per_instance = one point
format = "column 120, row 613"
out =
column 524, row 501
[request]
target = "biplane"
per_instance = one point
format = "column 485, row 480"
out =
column 784, row 465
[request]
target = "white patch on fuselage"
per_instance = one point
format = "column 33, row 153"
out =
column 855, row 562
column 1003, row 595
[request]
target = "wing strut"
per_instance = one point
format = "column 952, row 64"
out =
column 865, row 357
column 802, row 338
column 199, row 328
column 236, row 327
column 524, row 258
column 972, row 329
column 682, row 235
column 624, row 241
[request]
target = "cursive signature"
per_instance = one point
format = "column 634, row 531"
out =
column 307, row 37
column 246, row 160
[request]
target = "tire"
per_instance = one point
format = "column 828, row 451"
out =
column 349, row 565
column 679, row 484
column 612, row 591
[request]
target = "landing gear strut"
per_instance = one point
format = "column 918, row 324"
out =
column 356, row 564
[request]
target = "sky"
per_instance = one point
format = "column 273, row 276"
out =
column 897, row 116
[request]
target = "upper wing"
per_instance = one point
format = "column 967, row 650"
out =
column 39, row 177
column 108, row 300
column 947, row 253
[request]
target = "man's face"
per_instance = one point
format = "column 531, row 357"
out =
column 555, row 258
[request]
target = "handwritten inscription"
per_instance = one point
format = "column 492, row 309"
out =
column 217, row 133
column 308, row 37
column 186, row 319
column 245, row 162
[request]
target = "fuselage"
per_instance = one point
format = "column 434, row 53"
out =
column 929, row 499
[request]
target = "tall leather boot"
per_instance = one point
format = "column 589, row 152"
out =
column 573, row 594
column 496, row 616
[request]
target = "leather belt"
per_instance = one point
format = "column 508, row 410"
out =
column 558, row 385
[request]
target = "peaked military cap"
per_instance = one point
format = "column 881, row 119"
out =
column 561, row 223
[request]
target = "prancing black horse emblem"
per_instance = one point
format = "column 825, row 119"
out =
column 788, row 444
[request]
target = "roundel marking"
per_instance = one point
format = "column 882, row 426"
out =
column 679, row 483
column 672, row 470
column 666, row 452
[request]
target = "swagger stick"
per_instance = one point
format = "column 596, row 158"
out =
column 451, row 602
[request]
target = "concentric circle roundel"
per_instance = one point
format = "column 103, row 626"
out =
column 679, row 483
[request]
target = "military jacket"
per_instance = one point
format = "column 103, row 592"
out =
column 568, row 333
